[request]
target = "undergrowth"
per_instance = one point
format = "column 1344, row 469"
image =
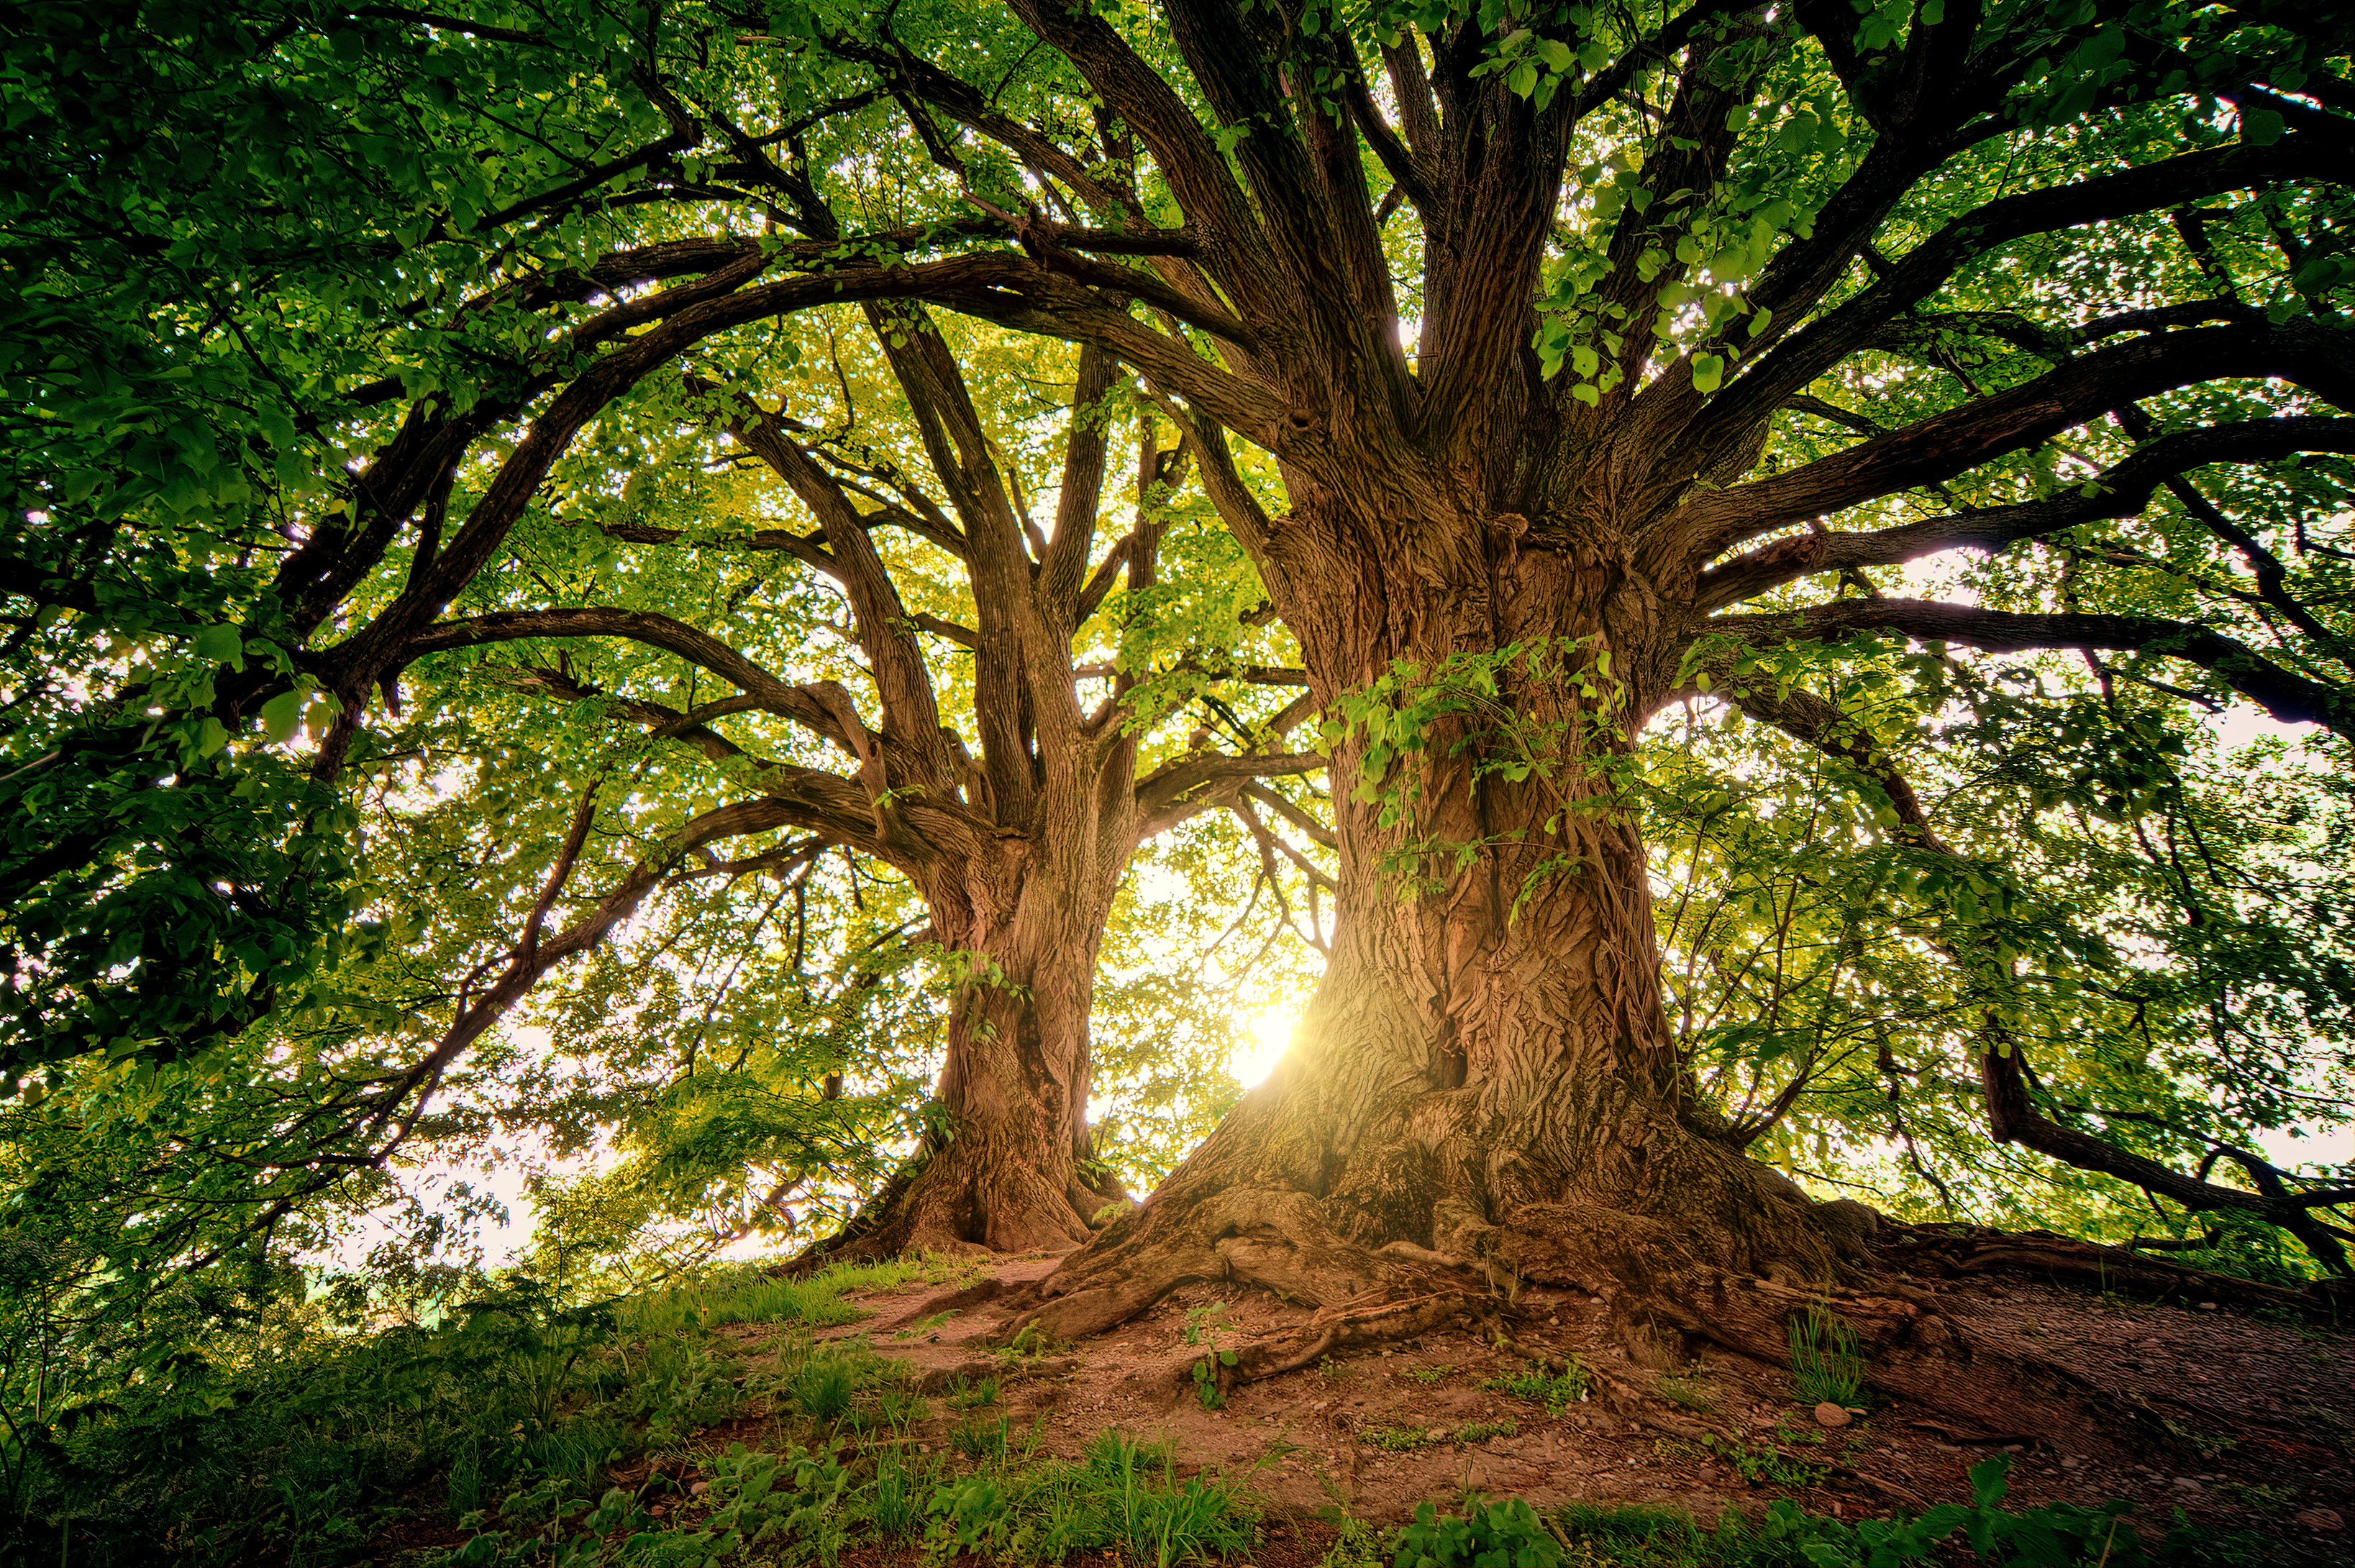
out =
column 566, row 1436
column 1556, row 1390
column 1982, row 1532
column 297, row 1445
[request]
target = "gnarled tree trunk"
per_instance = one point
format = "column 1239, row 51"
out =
column 1484, row 1087
column 1008, row 1166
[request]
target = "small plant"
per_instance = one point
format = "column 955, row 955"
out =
column 1763, row 1463
column 1508, row 1534
column 1330, row 1371
column 1430, row 1374
column 898, row 1409
column 1358, row 1546
column 1827, row 1365
column 1202, row 1327
column 1202, row 1323
column 1557, row 1391
column 963, row 1395
column 980, row 1439
column 1031, row 1344
column 1400, row 1439
column 2259, row 1497
column 966, row 1516
column 1481, row 1431
column 823, row 1389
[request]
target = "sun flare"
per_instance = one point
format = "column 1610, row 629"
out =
column 1268, row 1037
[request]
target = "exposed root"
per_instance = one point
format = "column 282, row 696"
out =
column 1668, row 1298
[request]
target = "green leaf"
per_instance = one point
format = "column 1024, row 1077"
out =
column 222, row 644
column 283, row 714
column 1708, row 372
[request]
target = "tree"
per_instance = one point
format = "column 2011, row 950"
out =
column 1015, row 844
column 525, row 279
column 1525, row 366
column 1636, row 248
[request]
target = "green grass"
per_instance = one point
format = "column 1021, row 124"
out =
column 745, row 1295
column 1826, row 1366
column 1399, row 1439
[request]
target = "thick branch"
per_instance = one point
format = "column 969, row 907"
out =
column 2312, row 354
column 2292, row 698
column 697, row 648
column 1816, row 348
column 2119, row 491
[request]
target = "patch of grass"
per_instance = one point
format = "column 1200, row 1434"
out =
column 1687, row 1391
column 746, row 1295
column 980, row 1438
column 1481, row 1431
column 1123, row 1497
column 1329, row 1371
column 1556, row 1390
column 1399, row 1439
column 1762, row 1464
column 2259, row 1498
column 1031, row 1345
column 1359, row 1545
column 1430, row 1374
column 925, row 1326
column 823, row 1389
column 963, row 1395
column 1827, row 1367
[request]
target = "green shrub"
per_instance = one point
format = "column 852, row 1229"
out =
column 1556, row 1392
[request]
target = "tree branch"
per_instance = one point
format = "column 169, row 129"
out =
column 2291, row 698
column 2123, row 490
column 2314, row 355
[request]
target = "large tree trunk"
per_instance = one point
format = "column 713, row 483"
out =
column 1486, row 1087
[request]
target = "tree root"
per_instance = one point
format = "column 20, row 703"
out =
column 1950, row 1251
column 1667, row 1297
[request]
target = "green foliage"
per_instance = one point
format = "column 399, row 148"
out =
column 1203, row 1324
column 293, row 1441
column 1122, row 1495
column 2058, row 1535
column 1487, row 1534
column 1478, row 705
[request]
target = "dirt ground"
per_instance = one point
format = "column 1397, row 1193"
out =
column 2245, row 1423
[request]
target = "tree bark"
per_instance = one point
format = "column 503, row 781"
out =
column 1485, row 1088
column 1010, row 1166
